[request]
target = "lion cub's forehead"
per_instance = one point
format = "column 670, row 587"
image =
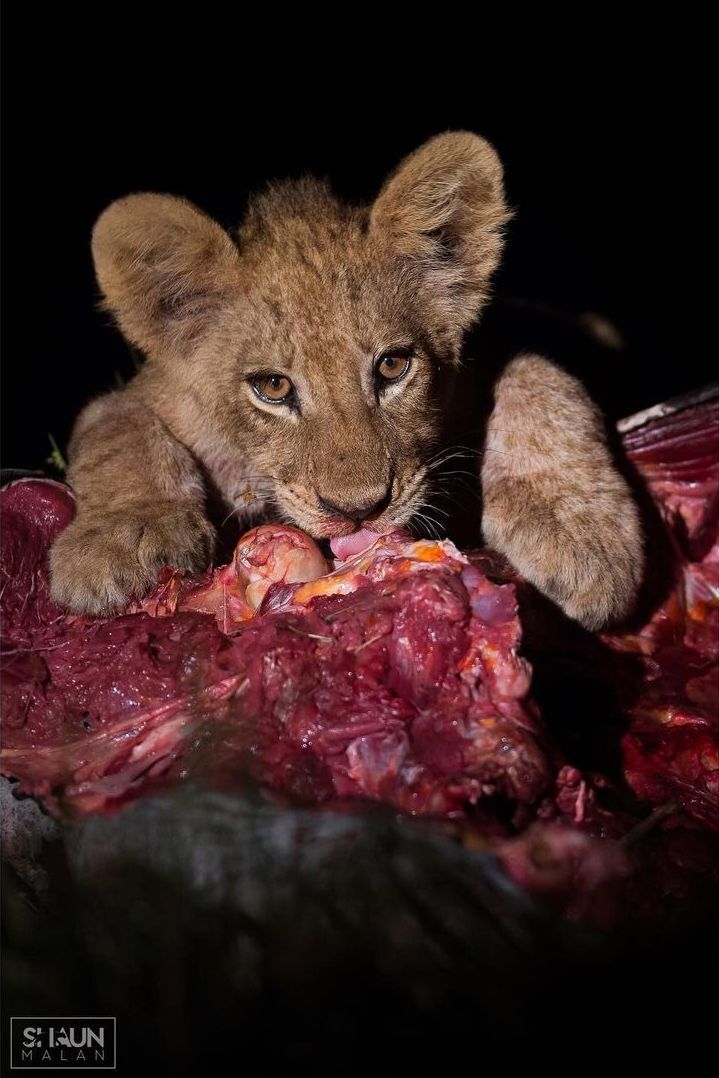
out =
column 313, row 273
column 303, row 211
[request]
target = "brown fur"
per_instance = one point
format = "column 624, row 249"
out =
column 316, row 291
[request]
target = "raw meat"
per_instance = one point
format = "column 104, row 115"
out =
column 670, row 750
column 323, row 698
column 396, row 677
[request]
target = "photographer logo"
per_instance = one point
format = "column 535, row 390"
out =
column 62, row 1043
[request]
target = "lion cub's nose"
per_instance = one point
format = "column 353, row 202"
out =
column 358, row 513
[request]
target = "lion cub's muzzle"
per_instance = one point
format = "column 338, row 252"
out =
column 358, row 510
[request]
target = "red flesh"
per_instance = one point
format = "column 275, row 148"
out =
column 396, row 678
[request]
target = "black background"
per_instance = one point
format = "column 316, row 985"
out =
column 607, row 131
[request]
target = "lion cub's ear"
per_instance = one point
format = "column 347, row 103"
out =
column 164, row 269
column 444, row 207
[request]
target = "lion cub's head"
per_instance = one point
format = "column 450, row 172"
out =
column 316, row 340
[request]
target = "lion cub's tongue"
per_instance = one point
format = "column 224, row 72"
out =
column 346, row 546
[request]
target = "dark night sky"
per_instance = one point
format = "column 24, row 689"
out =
column 607, row 133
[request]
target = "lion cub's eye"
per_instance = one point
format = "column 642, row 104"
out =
column 273, row 388
column 392, row 366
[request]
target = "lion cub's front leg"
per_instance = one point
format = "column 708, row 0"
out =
column 554, row 503
column 140, row 505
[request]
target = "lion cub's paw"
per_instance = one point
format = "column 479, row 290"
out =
column 584, row 553
column 105, row 558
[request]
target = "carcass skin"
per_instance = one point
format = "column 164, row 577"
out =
column 395, row 676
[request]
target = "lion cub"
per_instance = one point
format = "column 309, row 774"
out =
column 297, row 369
